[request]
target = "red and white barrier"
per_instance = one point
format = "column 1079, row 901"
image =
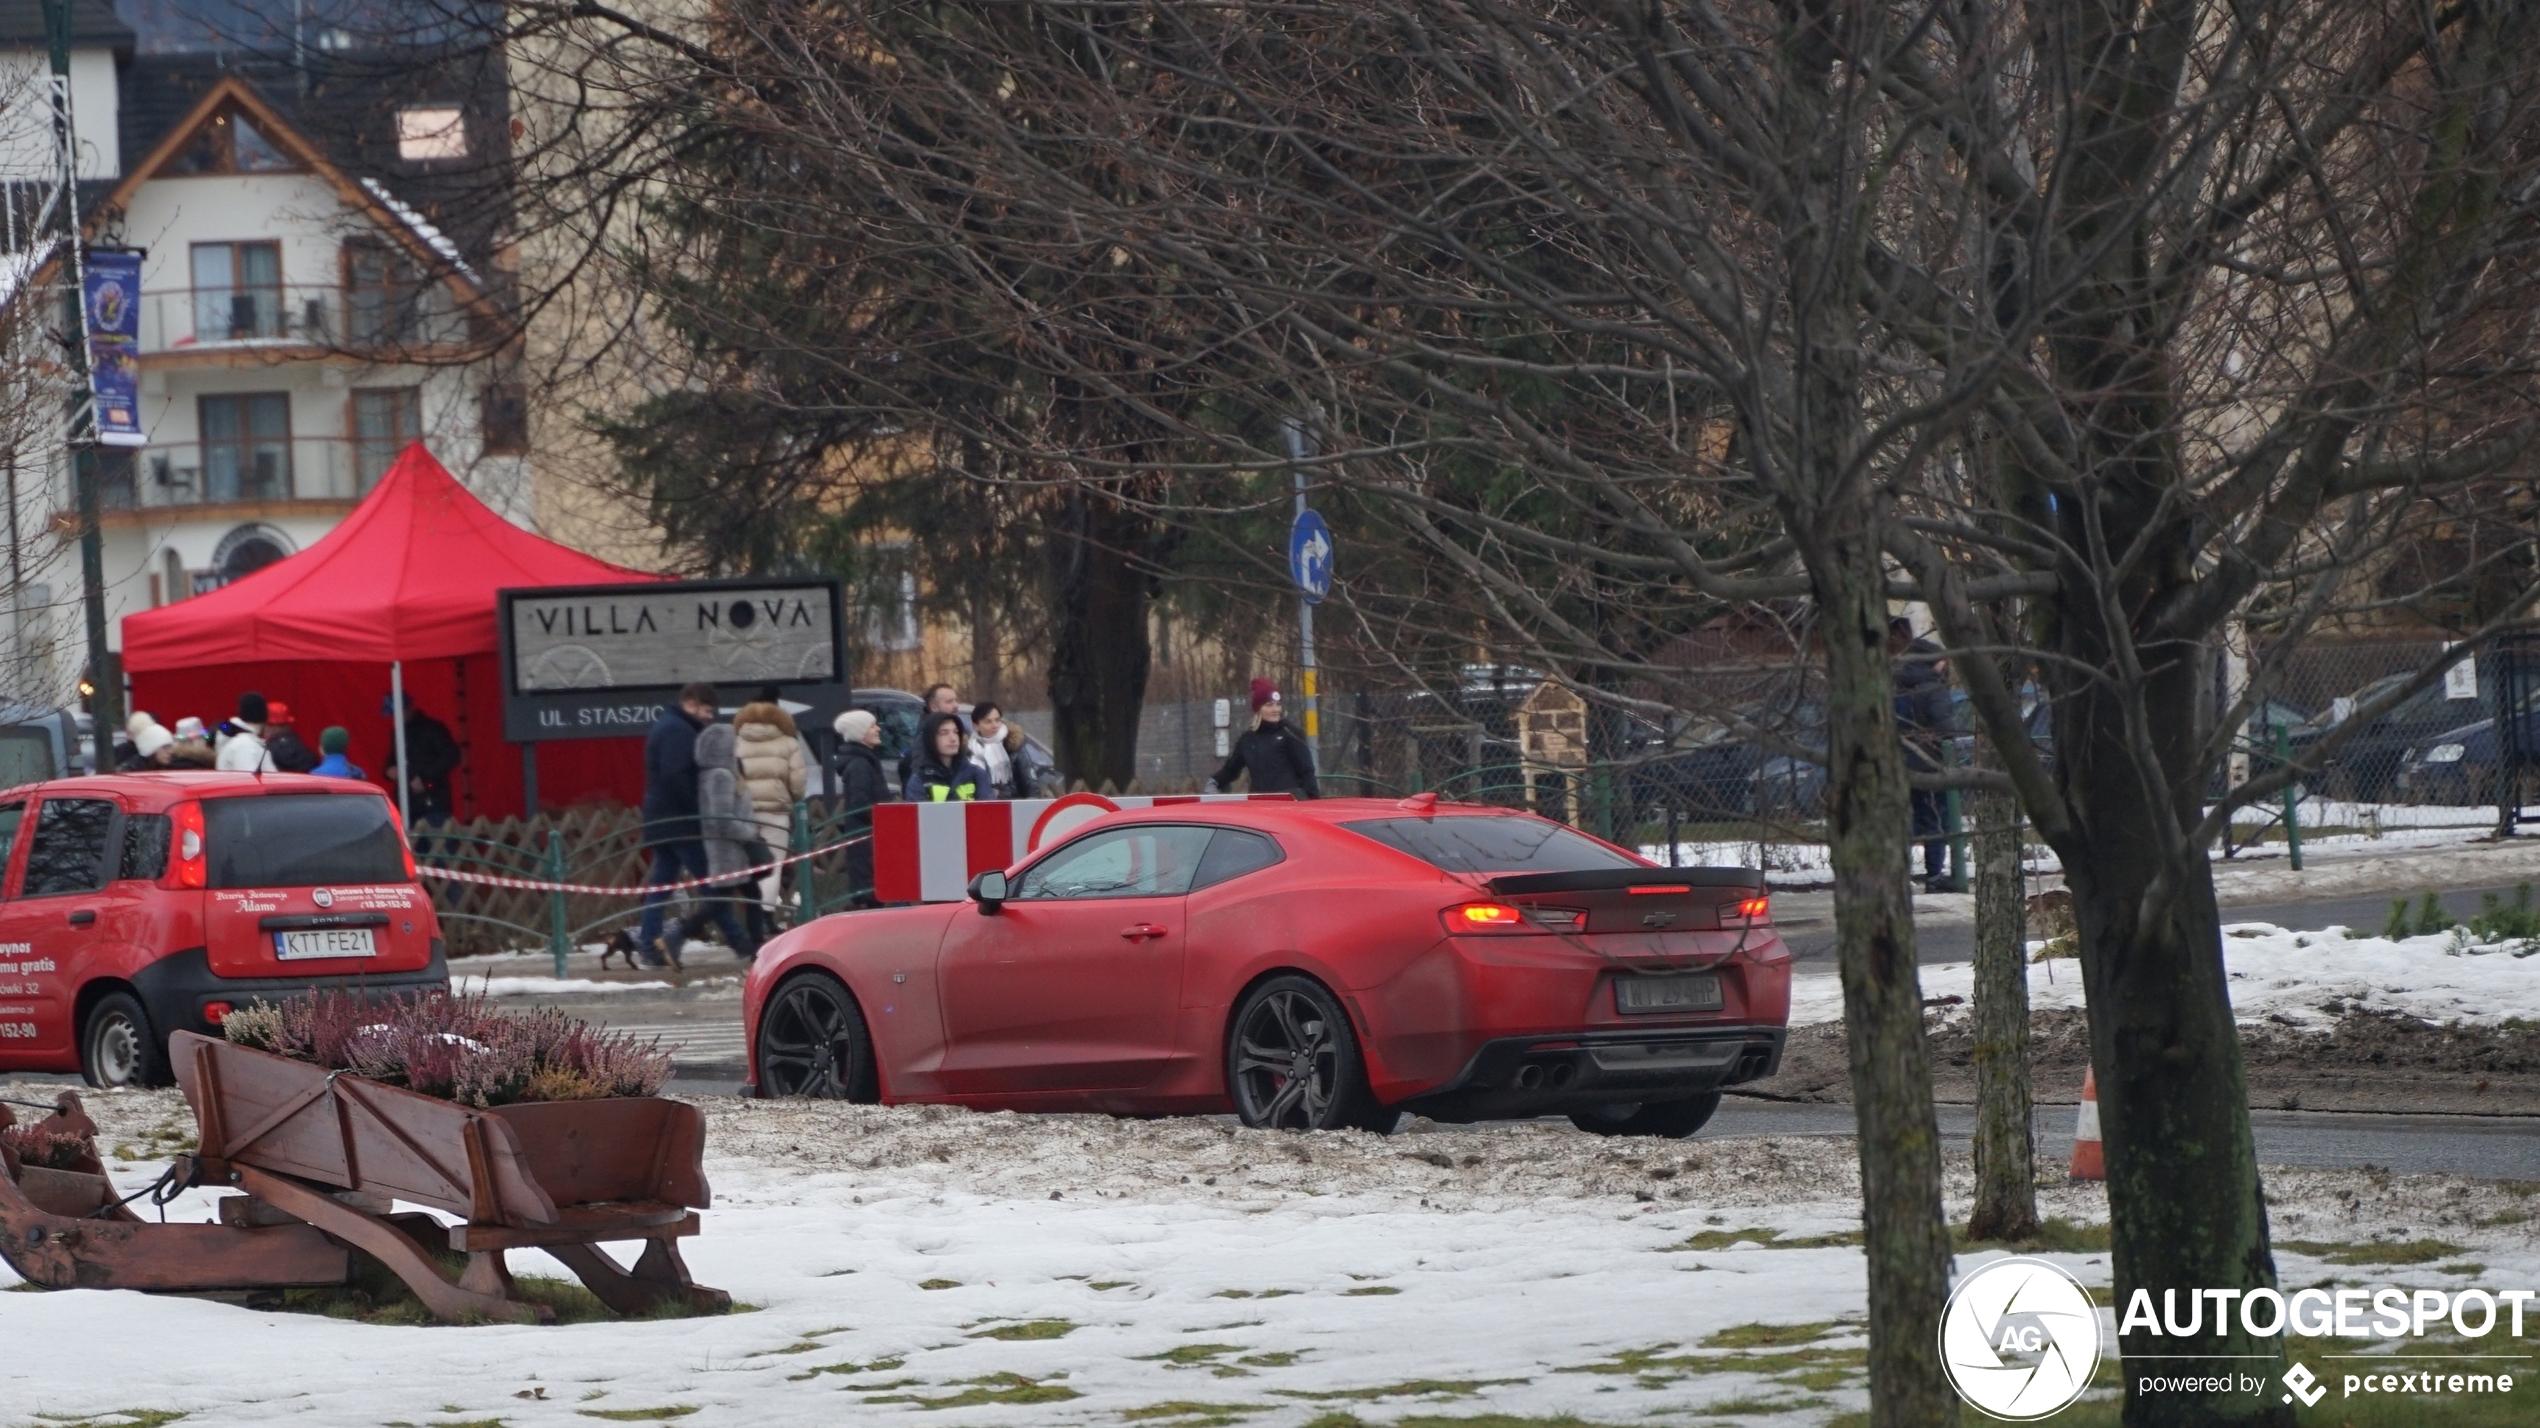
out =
column 929, row 852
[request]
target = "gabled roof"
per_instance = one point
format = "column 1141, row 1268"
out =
column 426, row 244
column 92, row 23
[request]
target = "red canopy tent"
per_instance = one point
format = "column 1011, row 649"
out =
column 408, row 579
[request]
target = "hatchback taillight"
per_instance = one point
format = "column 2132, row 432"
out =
column 193, row 866
column 1753, row 909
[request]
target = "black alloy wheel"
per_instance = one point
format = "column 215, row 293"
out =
column 1672, row 1119
column 812, row 1042
column 1293, row 1063
column 118, row 1047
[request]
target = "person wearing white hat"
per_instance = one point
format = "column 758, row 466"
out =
column 861, row 780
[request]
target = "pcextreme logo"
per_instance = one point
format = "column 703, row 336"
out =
column 2020, row 1339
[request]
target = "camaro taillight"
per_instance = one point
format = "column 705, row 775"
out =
column 1753, row 909
column 1486, row 917
column 192, row 868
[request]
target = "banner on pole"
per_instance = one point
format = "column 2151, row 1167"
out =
column 113, row 295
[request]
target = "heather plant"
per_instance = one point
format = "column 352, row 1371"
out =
column 49, row 1144
column 462, row 1049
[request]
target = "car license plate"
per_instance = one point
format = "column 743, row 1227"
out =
column 1667, row 994
column 318, row 943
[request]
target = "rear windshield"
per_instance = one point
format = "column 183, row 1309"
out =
column 297, row 840
column 1493, row 845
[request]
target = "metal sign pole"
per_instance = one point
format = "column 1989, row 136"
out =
column 105, row 700
column 397, row 717
column 1308, row 686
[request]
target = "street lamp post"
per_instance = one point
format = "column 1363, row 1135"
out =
column 105, row 679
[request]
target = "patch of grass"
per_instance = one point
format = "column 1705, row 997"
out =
column 2055, row 1234
column 119, row 1418
column 1028, row 1330
column 1181, row 1413
column 1663, row 1363
column 849, row 1369
column 1771, row 1336
column 995, row 1388
column 2462, row 1269
column 2509, row 1217
column 372, row 1294
column 1409, row 1388
column 1109, row 1284
column 939, row 1284
column 662, row 1414
column 2372, row 1252
column 1252, row 1294
column 1369, row 1290
column 1768, row 1239
column 1280, row 1358
column 1739, row 1407
column 1191, row 1355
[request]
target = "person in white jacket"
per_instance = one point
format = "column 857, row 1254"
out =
column 242, row 745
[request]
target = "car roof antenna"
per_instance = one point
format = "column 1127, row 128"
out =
column 1421, row 803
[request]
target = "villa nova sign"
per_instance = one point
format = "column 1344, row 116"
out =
column 600, row 661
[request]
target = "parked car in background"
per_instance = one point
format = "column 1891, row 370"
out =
column 2365, row 768
column 37, row 744
column 1307, row 966
column 2460, row 766
column 134, row 906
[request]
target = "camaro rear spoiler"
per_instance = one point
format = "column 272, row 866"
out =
column 1624, row 880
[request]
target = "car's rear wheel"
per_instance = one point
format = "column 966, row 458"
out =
column 1674, row 1119
column 1293, row 1063
column 118, row 1046
column 812, row 1041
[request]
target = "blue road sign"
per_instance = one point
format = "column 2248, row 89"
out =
column 1310, row 556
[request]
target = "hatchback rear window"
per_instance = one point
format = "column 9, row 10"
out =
column 294, row 840
column 1493, row 845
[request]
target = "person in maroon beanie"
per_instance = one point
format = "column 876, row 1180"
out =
column 1276, row 756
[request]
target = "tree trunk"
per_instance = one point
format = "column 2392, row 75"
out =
column 1099, row 654
column 2005, row 1141
column 1904, row 1232
column 2184, row 1198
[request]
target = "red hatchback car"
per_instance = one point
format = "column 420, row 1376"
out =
column 1305, row 965
column 133, row 906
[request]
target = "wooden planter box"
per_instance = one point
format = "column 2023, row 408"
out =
column 333, row 1150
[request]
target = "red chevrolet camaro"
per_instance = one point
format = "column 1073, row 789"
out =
column 1305, row 965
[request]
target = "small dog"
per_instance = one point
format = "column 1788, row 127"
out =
column 621, row 943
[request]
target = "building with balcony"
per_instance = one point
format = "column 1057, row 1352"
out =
column 307, row 308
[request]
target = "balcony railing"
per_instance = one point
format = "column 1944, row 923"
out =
column 369, row 319
column 200, row 473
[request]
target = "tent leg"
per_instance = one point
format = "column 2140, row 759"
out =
column 397, row 720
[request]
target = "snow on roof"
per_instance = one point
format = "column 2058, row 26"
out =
column 422, row 228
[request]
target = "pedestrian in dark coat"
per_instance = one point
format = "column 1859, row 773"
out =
column 432, row 756
column 1276, row 757
column 1922, row 722
column 943, row 771
column 670, row 811
column 861, row 780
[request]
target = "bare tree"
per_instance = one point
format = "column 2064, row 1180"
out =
column 2225, row 301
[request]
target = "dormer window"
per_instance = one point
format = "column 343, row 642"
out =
column 430, row 132
column 232, row 144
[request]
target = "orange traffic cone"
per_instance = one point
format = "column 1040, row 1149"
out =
column 2089, row 1161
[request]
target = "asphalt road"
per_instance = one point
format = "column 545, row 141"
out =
column 1954, row 940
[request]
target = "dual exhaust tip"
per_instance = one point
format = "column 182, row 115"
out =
column 1535, row 1076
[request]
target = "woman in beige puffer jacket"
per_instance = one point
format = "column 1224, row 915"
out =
column 774, row 774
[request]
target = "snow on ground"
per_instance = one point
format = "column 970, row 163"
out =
column 929, row 1265
column 2292, row 978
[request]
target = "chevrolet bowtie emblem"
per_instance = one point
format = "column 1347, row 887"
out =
column 1658, row 919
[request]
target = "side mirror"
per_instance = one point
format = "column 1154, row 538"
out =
column 988, row 890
